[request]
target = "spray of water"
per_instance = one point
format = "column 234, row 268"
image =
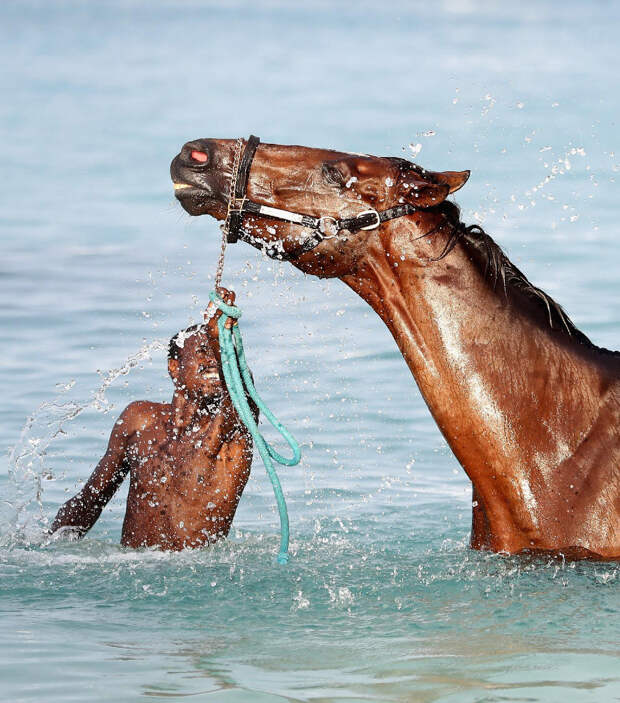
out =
column 22, row 519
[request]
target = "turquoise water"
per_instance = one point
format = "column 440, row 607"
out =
column 382, row 600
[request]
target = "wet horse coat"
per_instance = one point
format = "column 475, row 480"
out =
column 529, row 406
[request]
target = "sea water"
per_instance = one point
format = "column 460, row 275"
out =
column 382, row 599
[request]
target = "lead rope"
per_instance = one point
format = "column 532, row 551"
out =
column 239, row 380
column 240, row 385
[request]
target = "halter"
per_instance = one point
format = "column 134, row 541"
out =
column 325, row 227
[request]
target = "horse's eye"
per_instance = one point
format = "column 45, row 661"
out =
column 199, row 156
column 333, row 175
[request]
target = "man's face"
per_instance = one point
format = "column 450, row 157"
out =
column 195, row 371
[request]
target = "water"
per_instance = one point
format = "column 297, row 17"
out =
column 382, row 600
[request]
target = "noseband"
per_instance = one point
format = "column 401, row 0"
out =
column 325, row 227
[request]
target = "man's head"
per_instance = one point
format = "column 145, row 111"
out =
column 192, row 365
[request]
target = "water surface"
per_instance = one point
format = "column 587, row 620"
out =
column 382, row 600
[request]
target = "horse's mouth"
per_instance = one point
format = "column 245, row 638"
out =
column 183, row 190
column 198, row 201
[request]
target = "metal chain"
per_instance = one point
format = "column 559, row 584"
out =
column 225, row 227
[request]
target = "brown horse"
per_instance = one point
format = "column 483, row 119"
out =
column 529, row 406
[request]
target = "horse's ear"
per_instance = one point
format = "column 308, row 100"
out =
column 421, row 193
column 454, row 179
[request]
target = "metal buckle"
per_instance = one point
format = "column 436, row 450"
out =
column 236, row 204
column 374, row 225
column 330, row 229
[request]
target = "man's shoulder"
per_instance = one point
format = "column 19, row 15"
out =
column 142, row 414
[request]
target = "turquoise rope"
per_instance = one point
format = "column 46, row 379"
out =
column 239, row 381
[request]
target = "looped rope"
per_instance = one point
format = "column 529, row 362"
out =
column 239, row 382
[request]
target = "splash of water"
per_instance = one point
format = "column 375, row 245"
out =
column 22, row 519
column 100, row 402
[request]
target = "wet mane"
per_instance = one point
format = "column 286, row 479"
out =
column 499, row 270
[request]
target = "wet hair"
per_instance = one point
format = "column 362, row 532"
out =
column 501, row 272
column 174, row 349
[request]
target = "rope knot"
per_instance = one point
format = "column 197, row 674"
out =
column 229, row 310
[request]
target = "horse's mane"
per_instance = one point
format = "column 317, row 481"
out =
column 500, row 271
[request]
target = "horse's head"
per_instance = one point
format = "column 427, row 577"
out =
column 325, row 185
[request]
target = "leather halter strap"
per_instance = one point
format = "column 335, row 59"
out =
column 240, row 180
column 325, row 227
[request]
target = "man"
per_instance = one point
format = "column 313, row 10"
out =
column 189, row 460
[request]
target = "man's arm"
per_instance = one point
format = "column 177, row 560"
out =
column 83, row 510
column 232, row 472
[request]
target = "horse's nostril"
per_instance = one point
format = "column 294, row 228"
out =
column 199, row 156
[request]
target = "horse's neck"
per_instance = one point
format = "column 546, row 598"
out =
column 513, row 398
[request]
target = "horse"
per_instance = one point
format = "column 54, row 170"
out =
column 527, row 403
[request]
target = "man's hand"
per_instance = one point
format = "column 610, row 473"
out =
column 212, row 314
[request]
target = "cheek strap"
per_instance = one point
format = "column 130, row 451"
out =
column 238, row 187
